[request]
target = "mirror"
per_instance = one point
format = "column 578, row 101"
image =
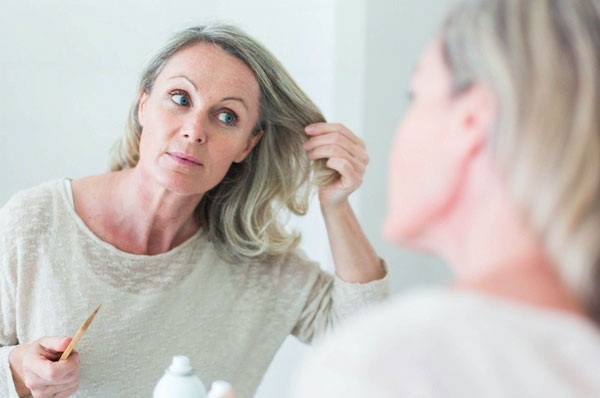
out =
column 69, row 74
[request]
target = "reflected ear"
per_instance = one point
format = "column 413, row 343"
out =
column 473, row 119
column 251, row 144
column 141, row 107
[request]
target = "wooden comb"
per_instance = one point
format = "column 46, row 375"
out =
column 78, row 335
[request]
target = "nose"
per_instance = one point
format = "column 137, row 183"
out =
column 194, row 130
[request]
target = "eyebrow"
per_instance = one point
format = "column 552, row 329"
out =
column 185, row 78
column 222, row 99
column 236, row 99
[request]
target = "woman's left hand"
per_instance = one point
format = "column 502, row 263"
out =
column 345, row 153
column 353, row 256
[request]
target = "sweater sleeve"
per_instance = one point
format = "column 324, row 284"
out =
column 331, row 300
column 7, row 386
column 8, row 286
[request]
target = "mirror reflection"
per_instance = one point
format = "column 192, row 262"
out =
column 189, row 250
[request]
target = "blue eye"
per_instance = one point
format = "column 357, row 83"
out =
column 180, row 99
column 227, row 117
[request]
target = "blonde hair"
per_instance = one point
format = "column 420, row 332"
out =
column 242, row 215
column 542, row 60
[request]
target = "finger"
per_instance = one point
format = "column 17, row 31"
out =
column 54, row 344
column 333, row 138
column 50, row 372
column 350, row 178
column 59, row 390
column 329, row 151
column 332, row 152
column 339, row 140
column 66, row 390
column 51, row 390
column 322, row 128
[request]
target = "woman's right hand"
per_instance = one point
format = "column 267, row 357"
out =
column 37, row 370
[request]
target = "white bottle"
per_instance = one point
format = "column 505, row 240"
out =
column 220, row 389
column 180, row 381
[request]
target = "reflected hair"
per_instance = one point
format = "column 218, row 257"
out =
column 244, row 215
column 541, row 58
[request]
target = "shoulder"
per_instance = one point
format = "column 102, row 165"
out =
column 398, row 325
column 406, row 318
column 291, row 276
column 35, row 197
column 433, row 321
column 297, row 271
column 293, row 265
column 379, row 349
column 439, row 338
column 375, row 352
column 29, row 209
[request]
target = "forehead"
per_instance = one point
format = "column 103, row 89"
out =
column 209, row 66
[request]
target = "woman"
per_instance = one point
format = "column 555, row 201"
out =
column 495, row 167
column 183, row 243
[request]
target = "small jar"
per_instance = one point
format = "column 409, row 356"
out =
column 220, row 389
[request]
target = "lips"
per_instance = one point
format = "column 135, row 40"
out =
column 183, row 158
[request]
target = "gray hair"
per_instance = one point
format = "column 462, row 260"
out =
column 542, row 60
column 243, row 213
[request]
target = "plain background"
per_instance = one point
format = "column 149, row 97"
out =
column 69, row 71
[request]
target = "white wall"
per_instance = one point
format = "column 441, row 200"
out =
column 68, row 73
column 69, row 70
column 397, row 32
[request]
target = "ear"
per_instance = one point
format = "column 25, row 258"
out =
column 140, row 111
column 472, row 119
column 251, row 144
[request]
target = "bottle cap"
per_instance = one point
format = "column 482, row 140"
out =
column 181, row 365
column 220, row 389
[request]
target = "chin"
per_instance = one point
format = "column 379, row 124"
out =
column 394, row 231
column 402, row 230
column 179, row 184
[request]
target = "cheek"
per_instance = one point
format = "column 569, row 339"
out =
column 412, row 157
column 159, row 127
column 419, row 178
column 150, row 144
column 146, row 143
column 224, row 152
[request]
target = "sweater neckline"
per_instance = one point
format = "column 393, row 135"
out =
column 133, row 273
column 82, row 226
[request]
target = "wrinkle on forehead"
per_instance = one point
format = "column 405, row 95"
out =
column 215, row 72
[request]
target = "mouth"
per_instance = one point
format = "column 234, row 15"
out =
column 184, row 159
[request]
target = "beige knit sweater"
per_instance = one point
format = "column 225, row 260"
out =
column 230, row 319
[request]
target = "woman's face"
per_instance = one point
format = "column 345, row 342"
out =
column 423, row 174
column 198, row 119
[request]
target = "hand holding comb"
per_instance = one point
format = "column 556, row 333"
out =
column 78, row 335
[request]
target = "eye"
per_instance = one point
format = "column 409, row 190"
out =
column 180, row 98
column 229, row 118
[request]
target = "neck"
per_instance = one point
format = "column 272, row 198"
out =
column 524, row 283
column 493, row 251
column 155, row 220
